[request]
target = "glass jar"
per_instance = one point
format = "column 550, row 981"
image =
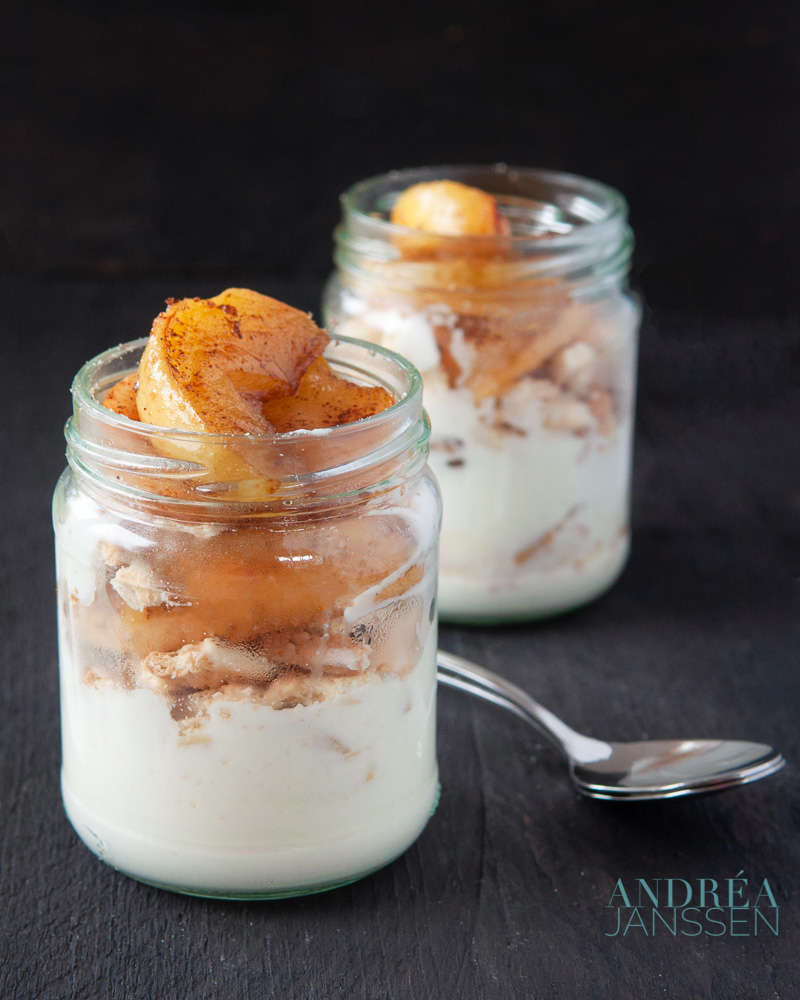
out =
column 248, row 665
column 526, row 342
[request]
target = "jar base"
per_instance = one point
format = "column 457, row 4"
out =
column 467, row 600
column 257, row 896
column 280, row 873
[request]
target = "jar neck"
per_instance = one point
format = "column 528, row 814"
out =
column 205, row 475
column 563, row 230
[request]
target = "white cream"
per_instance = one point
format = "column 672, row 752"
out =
column 257, row 800
column 535, row 516
column 532, row 524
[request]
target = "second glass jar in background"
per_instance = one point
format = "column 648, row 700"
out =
column 527, row 346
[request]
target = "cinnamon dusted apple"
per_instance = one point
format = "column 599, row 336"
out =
column 210, row 363
column 240, row 363
column 121, row 398
column 323, row 399
column 448, row 208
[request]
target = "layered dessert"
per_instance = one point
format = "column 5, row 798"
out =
column 246, row 604
column 529, row 376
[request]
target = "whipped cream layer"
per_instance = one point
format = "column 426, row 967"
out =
column 261, row 799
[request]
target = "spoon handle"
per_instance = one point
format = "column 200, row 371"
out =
column 455, row 672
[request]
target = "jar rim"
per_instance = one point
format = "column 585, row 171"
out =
column 608, row 205
column 83, row 392
column 305, row 468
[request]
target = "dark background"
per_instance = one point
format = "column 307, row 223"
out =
column 180, row 148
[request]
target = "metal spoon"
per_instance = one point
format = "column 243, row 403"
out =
column 650, row 769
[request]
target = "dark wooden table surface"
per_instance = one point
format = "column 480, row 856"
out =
column 172, row 154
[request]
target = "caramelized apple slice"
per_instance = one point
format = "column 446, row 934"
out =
column 250, row 582
column 210, row 363
column 208, row 366
column 121, row 398
column 323, row 399
column 448, row 208
column 506, row 354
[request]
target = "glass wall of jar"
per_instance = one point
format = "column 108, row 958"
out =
column 526, row 341
column 247, row 640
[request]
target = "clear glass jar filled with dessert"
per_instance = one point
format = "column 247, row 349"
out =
column 507, row 288
column 246, row 542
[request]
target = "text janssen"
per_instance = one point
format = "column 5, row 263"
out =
column 674, row 906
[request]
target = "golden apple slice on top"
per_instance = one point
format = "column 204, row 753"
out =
column 208, row 367
column 121, row 398
column 448, row 208
column 323, row 399
column 210, row 363
column 443, row 209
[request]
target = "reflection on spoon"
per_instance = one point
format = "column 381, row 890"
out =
column 649, row 769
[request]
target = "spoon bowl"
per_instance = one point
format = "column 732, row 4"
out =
column 662, row 769
column 636, row 771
